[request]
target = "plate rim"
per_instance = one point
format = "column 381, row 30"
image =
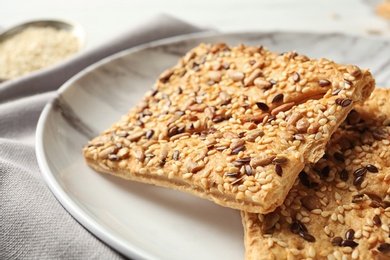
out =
column 70, row 206
column 77, row 213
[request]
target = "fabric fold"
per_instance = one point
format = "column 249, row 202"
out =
column 33, row 224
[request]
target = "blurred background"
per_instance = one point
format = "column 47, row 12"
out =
column 102, row 19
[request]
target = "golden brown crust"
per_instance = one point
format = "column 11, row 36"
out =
column 375, row 111
column 232, row 124
column 345, row 192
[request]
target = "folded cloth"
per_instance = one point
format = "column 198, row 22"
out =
column 33, row 225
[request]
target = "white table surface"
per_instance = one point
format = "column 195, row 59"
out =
column 102, row 19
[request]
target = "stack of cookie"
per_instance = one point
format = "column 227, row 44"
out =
column 281, row 137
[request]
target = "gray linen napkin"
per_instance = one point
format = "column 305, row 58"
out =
column 33, row 225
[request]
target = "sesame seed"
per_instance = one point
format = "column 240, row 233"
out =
column 355, row 254
column 294, row 251
column 385, row 227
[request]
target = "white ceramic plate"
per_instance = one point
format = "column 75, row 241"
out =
column 143, row 221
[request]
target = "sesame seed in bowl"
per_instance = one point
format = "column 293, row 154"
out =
column 37, row 45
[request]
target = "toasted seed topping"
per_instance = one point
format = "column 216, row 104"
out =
column 248, row 170
column 295, row 227
column 348, row 82
column 252, row 135
column 262, row 83
column 384, row 247
column 244, row 159
column 349, row 243
column 336, row 241
column 164, row 77
column 372, row 168
column 296, row 77
column 112, row 157
column 357, row 198
column 261, row 160
column 360, row 172
column 367, row 138
column 233, row 174
column 138, row 153
column 344, row 175
column 235, row 75
column 193, row 167
column 123, row 134
column 219, row 118
column 262, row 106
column 354, row 70
column 343, row 102
column 175, row 155
column 304, row 179
column 294, row 118
column 269, row 221
column 238, row 149
column 282, row 108
column 105, row 153
column 173, row 131
column 179, row 112
column 336, row 91
column 339, row 156
column 221, row 148
column 135, row 136
column 358, row 181
column 237, row 143
column 307, row 237
column 302, row 125
column 150, row 155
column 250, row 79
column 376, row 220
column 238, row 163
column 311, row 202
column 302, row 226
column 353, row 117
column 324, row 82
column 380, row 134
column 215, row 75
column 278, row 169
column 154, row 91
column 149, row 134
column 225, row 97
column 325, row 172
column 350, row 234
column 279, row 160
column 277, row 98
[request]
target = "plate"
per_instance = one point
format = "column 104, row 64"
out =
column 144, row 221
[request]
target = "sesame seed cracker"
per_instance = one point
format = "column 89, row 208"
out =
column 353, row 222
column 229, row 108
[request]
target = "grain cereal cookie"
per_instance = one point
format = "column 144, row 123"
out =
column 339, row 207
column 234, row 125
